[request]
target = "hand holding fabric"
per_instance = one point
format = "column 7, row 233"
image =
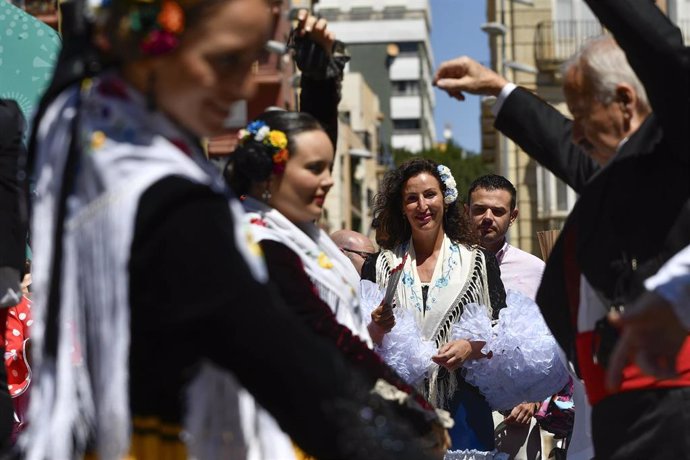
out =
column 454, row 354
column 464, row 74
column 382, row 321
column 651, row 335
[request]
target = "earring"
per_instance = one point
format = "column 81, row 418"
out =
column 266, row 196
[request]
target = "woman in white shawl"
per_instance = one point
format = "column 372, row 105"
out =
column 282, row 169
column 430, row 259
column 148, row 299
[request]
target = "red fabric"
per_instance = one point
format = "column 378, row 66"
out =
column 18, row 324
column 633, row 378
column 571, row 272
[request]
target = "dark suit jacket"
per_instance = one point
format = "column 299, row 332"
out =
column 627, row 209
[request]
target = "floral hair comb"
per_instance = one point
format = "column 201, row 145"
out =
column 277, row 141
column 451, row 193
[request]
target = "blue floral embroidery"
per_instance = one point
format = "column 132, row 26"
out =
column 407, row 279
column 442, row 282
column 444, row 279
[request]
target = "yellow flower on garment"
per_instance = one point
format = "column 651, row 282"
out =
column 97, row 140
column 253, row 246
column 278, row 139
column 324, row 261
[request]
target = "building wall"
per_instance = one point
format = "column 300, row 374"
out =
column 356, row 170
column 542, row 36
column 389, row 42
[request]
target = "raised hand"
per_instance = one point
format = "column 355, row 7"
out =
column 315, row 29
column 464, row 74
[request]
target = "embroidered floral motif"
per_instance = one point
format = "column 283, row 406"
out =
column 258, row 221
column 407, row 279
column 415, row 296
column 441, row 282
column 324, row 261
column 97, row 140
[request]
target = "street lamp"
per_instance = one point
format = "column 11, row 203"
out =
column 494, row 29
column 500, row 30
column 520, row 67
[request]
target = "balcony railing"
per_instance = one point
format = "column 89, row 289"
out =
column 369, row 14
column 556, row 41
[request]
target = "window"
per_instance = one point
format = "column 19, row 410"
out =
column 554, row 198
column 406, row 124
column 408, row 47
column 405, row 87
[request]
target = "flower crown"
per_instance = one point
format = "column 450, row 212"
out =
column 259, row 131
column 451, row 193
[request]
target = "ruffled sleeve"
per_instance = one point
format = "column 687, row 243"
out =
column 525, row 365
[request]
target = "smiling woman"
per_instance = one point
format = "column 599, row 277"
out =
column 282, row 168
column 148, row 294
column 423, row 232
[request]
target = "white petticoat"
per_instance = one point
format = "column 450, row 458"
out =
column 403, row 348
column 475, row 455
column 525, row 365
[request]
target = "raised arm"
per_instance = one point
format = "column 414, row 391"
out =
column 539, row 129
column 321, row 59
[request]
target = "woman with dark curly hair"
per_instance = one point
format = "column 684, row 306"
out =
column 435, row 268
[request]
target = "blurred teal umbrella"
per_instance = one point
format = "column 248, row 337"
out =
column 28, row 52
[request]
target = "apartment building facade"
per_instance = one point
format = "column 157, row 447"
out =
column 357, row 171
column 389, row 41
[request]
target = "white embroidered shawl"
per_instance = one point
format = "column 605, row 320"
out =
column 459, row 279
column 125, row 150
column 336, row 280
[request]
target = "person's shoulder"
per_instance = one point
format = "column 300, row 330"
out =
column 369, row 267
column 528, row 259
column 176, row 195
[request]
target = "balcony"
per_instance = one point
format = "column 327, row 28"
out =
column 556, row 41
column 370, row 14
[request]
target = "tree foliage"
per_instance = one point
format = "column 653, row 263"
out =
column 465, row 166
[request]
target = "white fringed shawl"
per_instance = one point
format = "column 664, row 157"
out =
column 125, row 150
column 336, row 280
column 459, row 278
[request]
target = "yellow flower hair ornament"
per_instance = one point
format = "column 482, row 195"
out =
column 276, row 141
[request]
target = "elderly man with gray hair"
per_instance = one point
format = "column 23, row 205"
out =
column 630, row 166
